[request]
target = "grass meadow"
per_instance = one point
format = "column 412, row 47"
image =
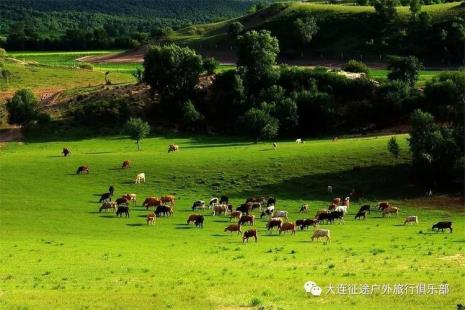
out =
column 58, row 252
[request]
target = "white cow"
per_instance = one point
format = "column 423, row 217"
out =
column 140, row 178
column 299, row 140
column 411, row 219
column 213, row 202
column 342, row 209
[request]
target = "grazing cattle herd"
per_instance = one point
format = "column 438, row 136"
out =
column 242, row 214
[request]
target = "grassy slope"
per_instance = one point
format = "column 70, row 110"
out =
column 206, row 33
column 60, row 253
column 42, row 79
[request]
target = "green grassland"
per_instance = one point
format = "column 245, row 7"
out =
column 58, row 252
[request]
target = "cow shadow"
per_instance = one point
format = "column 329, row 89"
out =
column 134, row 224
column 96, row 153
column 108, row 216
column 218, row 235
column 94, row 212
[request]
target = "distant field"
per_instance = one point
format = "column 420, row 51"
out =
column 59, row 252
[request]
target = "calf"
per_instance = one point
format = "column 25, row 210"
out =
column 271, row 201
column 248, row 234
column 274, row 222
column 321, row 233
column 233, row 227
column 66, row 152
column 125, row 164
column 442, row 225
column 173, row 148
column 111, row 190
column 121, row 200
column 307, row 223
column 105, row 197
column 168, row 199
column 336, row 201
column 286, row 227
column 303, row 208
column 82, row 169
column 361, row 214
column 199, row 222
column 247, row 219
column 299, row 140
column 140, row 178
column 131, row 197
column 365, row 208
column 411, row 219
column 122, row 209
column 236, row 215
column 151, row 218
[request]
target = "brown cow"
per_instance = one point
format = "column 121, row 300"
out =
column 390, row 210
column 236, row 215
column 108, row 205
column 173, row 148
column 304, row 208
column 233, row 227
column 287, row 226
column 126, row 164
column 151, row 218
column 383, row 205
column 66, row 151
column 168, row 199
column 220, row 209
column 82, row 169
column 152, row 202
column 274, row 222
column 321, row 211
column 121, row 201
column 336, row 201
column 249, row 233
column 247, row 219
column 307, row 223
column 194, row 218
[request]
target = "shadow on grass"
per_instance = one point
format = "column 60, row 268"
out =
column 108, row 216
column 134, row 224
column 96, row 153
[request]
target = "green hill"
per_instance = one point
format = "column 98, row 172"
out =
column 344, row 29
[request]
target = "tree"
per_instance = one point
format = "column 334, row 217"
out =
column 5, row 75
column 257, row 52
column 210, row 64
column 137, row 129
column 190, row 113
column 415, row 8
column 259, row 124
column 305, row 30
column 434, row 149
column 22, row 108
column 393, row 147
column 138, row 75
column 235, row 28
column 357, row 67
column 404, row 69
column 172, row 71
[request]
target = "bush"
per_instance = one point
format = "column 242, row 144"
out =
column 210, row 64
column 2, row 52
column 22, row 108
column 356, row 66
column 259, row 124
column 101, row 112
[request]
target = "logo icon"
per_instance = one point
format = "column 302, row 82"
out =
column 312, row 288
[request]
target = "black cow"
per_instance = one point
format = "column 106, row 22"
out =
column 244, row 208
column 360, row 214
column 442, row 225
column 111, row 190
column 271, row 201
column 163, row 210
column 224, row 200
column 66, row 152
column 199, row 221
column 105, row 197
column 122, row 209
column 323, row 217
column 336, row 215
column 365, row 208
column 307, row 223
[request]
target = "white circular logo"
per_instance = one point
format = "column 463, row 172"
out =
column 312, row 288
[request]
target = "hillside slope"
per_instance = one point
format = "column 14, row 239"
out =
column 344, row 29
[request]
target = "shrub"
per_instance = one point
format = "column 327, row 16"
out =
column 101, row 112
column 356, row 66
column 86, row 66
column 210, row 64
column 393, row 147
column 259, row 124
column 22, row 108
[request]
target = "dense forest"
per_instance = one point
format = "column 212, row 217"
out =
column 85, row 24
